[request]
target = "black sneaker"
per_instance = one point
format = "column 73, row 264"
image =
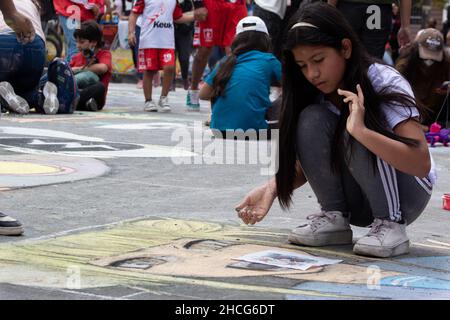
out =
column 91, row 105
column 9, row 226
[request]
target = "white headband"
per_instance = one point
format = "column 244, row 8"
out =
column 304, row 24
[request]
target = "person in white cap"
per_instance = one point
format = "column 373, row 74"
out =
column 426, row 66
column 215, row 25
column 239, row 86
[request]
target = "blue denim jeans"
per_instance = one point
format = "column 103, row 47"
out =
column 68, row 26
column 86, row 78
column 22, row 65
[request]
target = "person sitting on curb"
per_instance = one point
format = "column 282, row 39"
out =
column 92, row 67
column 239, row 86
column 22, row 64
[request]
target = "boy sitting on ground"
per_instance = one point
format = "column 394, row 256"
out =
column 92, row 67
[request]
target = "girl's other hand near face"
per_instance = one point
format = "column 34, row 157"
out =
column 355, row 120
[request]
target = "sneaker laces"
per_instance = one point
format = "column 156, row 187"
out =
column 194, row 96
column 164, row 102
column 318, row 218
column 11, row 97
column 378, row 228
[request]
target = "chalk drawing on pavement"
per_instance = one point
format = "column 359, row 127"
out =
column 40, row 141
column 166, row 252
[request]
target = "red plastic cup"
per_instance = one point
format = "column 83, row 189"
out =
column 446, row 201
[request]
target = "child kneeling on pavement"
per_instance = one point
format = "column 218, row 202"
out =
column 92, row 67
column 239, row 86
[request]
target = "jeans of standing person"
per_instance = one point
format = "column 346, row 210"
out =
column 135, row 49
column 216, row 55
column 277, row 26
column 366, row 186
column 69, row 26
column 274, row 26
column 22, row 65
column 183, row 48
column 374, row 39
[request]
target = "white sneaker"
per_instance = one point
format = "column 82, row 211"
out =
column 193, row 101
column 326, row 228
column 150, row 106
column 164, row 105
column 385, row 239
column 14, row 102
column 51, row 103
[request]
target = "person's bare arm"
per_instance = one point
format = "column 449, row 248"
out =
column 186, row 18
column 412, row 160
column 7, row 7
column 300, row 179
column 109, row 6
column 200, row 12
column 98, row 68
column 404, row 33
column 132, row 29
column 206, row 92
column 258, row 202
column 20, row 24
column 333, row 2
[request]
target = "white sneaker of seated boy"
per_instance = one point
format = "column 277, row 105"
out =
column 51, row 103
column 14, row 102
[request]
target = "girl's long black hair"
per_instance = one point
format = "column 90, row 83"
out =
column 298, row 92
column 244, row 42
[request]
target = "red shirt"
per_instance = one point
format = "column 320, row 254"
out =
column 102, row 56
column 62, row 7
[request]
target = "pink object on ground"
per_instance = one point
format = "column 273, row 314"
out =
column 446, row 201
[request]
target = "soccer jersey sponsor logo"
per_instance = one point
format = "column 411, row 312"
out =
column 163, row 25
column 208, row 34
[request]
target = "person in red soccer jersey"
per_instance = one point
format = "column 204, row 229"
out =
column 217, row 21
column 157, row 45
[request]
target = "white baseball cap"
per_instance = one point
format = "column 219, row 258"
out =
column 251, row 23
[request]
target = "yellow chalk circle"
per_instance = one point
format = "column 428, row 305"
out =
column 26, row 168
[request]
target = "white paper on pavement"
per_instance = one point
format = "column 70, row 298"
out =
column 286, row 259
